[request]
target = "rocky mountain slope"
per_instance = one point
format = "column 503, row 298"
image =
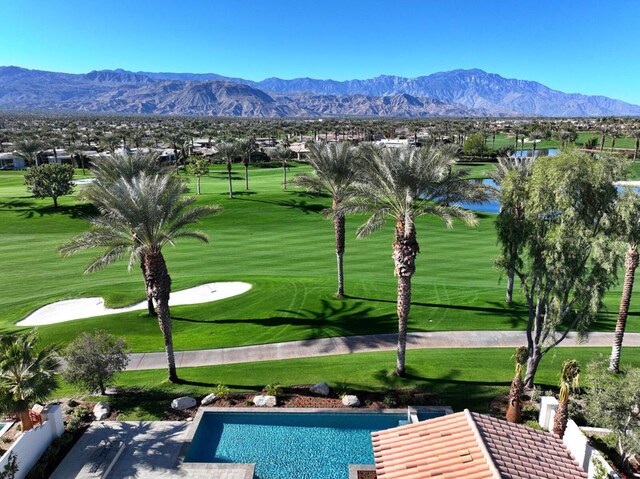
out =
column 455, row 93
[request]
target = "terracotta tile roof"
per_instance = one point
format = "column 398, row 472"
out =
column 471, row 446
column 520, row 452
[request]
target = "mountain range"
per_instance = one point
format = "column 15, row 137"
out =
column 455, row 93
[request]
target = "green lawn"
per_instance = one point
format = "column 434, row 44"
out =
column 279, row 241
column 461, row 378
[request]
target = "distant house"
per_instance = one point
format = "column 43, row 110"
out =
column 471, row 445
column 11, row 161
column 394, row 143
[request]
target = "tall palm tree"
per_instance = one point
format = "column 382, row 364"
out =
column 228, row 151
column 514, row 411
column 511, row 174
column 403, row 184
column 614, row 133
column 139, row 217
column 569, row 378
column 628, row 210
column 245, row 147
column 282, row 154
column 29, row 150
column 336, row 169
column 27, row 374
column 111, row 169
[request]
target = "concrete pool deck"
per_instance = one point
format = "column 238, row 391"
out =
column 358, row 344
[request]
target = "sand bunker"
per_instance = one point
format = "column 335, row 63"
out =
column 82, row 308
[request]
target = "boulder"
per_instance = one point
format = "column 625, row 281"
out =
column 321, row 388
column 208, row 399
column 268, row 401
column 184, row 402
column 350, row 400
column 101, row 411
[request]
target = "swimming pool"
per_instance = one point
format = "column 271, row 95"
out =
column 5, row 426
column 286, row 445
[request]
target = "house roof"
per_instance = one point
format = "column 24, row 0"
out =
column 473, row 446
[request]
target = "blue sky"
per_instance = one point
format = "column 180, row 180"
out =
column 582, row 46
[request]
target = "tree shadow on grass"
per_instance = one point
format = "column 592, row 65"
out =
column 84, row 210
column 516, row 313
column 333, row 318
column 293, row 203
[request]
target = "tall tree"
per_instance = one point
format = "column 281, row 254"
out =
column 282, row 154
column 27, row 374
column 404, row 184
column 335, row 169
column 569, row 377
column 139, row 217
column 514, row 410
column 109, row 170
column 228, row 151
column 635, row 134
column 511, row 176
column 628, row 222
column 29, row 151
column 569, row 260
column 245, row 148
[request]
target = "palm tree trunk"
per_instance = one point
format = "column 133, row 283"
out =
column 147, row 287
column 561, row 418
column 160, row 283
column 25, row 421
column 198, row 185
column 631, row 264
column 230, row 184
column 246, row 176
column 635, row 151
column 284, row 175
column 338, row 226
column 405, row 250
column 514, row 411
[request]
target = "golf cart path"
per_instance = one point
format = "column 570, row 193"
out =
column 357, row 344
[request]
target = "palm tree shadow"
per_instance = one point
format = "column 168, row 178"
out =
column 301, row 205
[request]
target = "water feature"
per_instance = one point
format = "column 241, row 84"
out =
column 538, row 152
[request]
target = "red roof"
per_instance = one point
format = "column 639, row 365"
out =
column 471, row 446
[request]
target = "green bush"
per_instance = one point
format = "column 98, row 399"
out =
column 222, row 391
column 273, row 389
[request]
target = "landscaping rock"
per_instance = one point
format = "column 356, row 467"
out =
column 208, row 399
column 101, row 411
column 350, row 400
column 268, row 401
column 321, row 388
column 184, row 402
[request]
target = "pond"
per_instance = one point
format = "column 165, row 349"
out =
column 539, row 152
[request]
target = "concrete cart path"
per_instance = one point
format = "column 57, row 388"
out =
column 357, row 344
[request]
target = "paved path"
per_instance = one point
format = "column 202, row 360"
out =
column 357, row 344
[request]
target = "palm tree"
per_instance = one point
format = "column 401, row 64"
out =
column 629, row 223
column 29, row 150
column 635, row 134
column 139, row 217
column 282, row 154
column 27, row 374
column 514, row 411
column 614, row 133
column 335, row 167
column 111, row 169
column 511, row 174
column 228, row 151
column 569, row 378
column 403, row 184
column 245, row 147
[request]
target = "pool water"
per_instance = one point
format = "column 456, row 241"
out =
column 290, row 445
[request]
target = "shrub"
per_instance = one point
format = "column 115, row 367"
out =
column 389, row 401
column 273, row 389
column 222, row 391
